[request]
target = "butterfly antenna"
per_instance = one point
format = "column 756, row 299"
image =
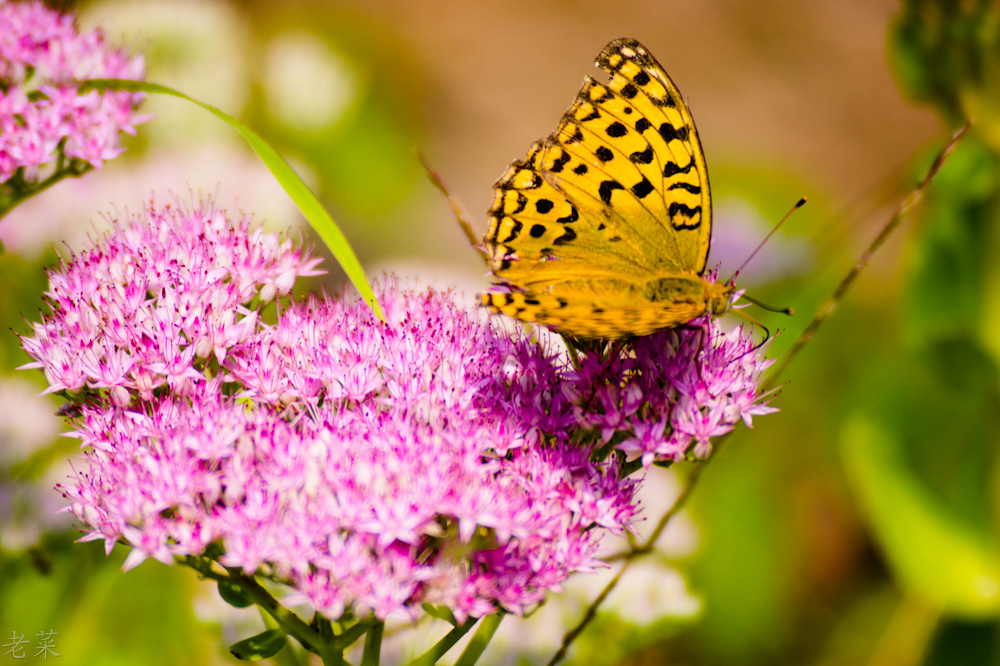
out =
column 767, row 332
column 765, row 306
column 456, row 208
column 799, row 204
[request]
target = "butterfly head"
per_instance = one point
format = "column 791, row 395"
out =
column 720, row 297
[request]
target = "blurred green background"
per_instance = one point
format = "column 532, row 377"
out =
column 857, row 526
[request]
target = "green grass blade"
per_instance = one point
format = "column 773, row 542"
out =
column 289, row 180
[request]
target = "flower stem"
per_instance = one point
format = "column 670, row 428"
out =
column 286, row 619
column 438, row 650
column 630, row 556
column 591, row 613
column 373, row 644
column 7, row 203
column 480, row 640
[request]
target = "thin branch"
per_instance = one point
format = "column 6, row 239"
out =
column 588, row 616
column 675, row 508
column 631, row 555
column 828, row 306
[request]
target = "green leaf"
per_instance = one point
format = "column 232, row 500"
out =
column 234, row 594
column 263, row 645
column 957, row 642
column 283, row 173
column 933, row 552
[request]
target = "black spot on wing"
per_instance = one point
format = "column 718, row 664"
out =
column 568, row 237
column 667, row 102
column 571, row 217
column 669, row 132
column 642, row 188
column 522, row 202
column 678, row 209
column 537, row 230
column 560, row 162
column 643, row 156
column 606, row 188
column 604, row 154
column 671, row 169
column 693, row 189
column 515, row 231
column 616, row 130
column 543, row 206
column 604, row 96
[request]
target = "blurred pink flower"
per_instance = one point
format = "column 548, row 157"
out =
column 42, row 118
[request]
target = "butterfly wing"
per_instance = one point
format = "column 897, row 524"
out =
column 616, row 196
column 612, row 309
column 642, row 114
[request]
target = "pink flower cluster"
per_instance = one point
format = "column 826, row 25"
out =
column 42, row 58
column 370, row 466
column 664, row 396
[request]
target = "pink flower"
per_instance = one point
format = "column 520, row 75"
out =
column 43, row 54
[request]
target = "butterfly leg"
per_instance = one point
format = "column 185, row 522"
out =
column 704, row 341
column 613, row 351
column 456, row 208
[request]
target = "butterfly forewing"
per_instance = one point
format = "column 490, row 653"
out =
column 601, row 166
column 664, row 118
column 535, row 231
column 614, row 201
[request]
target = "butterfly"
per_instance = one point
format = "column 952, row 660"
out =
column 603, row 230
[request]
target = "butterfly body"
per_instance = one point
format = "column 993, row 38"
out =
column 603, row 229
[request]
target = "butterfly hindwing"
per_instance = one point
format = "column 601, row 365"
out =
column 603, row 315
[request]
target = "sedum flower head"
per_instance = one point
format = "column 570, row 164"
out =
column 43, row 120
column 370, row 466
column 665, row 396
